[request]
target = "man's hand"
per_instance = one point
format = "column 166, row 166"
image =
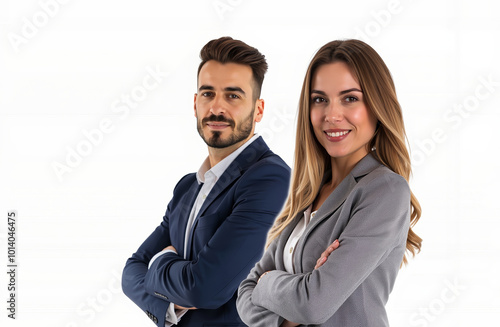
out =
column 170, row 247
column 178, row 307
column 324, row 256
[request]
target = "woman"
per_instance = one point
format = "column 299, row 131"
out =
column 335, row 250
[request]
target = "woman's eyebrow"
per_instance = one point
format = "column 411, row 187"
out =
column 350, row 90
column 318, row 91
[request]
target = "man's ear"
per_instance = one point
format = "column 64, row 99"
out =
column 259, row 110
column 195, row 95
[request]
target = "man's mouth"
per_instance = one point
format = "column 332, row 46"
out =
column 217, row 125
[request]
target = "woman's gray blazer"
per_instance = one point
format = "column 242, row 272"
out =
column 369, row 213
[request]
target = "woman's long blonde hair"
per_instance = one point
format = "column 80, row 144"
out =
column 312, row 161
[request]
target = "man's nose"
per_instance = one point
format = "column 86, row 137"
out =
column 217, row 106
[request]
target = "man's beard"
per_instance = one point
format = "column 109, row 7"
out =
column 238, row 135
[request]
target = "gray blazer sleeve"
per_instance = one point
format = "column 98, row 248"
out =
column 252, row 315
column 378, row 222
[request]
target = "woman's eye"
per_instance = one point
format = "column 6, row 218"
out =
column 350, row 99
column 318, row 100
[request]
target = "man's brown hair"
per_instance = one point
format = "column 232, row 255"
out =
column 228, row 50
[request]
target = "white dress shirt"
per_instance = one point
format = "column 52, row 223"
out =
column 297, row 232
column 208, row 177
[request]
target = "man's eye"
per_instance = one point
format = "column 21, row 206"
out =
column 207, row 94
column 233, row 96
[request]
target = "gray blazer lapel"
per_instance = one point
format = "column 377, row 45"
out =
column 331, row 204
column 334, row 201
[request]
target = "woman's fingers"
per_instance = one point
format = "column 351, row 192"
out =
column 324, row 256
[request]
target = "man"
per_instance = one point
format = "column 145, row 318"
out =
column 188, row 270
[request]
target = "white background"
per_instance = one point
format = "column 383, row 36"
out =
column 64, row 68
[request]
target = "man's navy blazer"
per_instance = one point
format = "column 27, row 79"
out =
column 226, row 240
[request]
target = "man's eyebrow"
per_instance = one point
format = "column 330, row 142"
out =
column 206, row 87
column 227, row 89
column 234, row 89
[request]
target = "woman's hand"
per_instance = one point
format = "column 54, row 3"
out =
column 322, row 259
column 287, row 323
column 262, row 276
column 324, row 256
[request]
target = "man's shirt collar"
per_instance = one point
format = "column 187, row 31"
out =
column 219, row 169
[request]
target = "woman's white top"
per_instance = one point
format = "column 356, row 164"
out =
column 290, row 245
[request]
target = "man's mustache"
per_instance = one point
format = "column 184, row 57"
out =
column 219, row 118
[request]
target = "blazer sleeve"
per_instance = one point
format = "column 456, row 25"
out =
column 212, row 277
column 137, row 266
column 379, row 221
column 250, row 314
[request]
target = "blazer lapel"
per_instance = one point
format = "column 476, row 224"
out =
column 185, row 212
column 224, row 181
column 334, row 201
column 240, row 164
